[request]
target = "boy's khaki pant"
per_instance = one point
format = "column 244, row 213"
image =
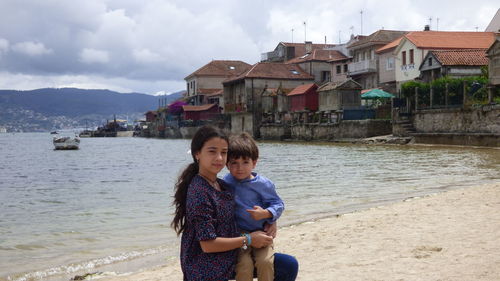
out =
column 262, row 258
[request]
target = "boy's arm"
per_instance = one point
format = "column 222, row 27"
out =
column 276, row 205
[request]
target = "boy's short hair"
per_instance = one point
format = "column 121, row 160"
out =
column 242, row 146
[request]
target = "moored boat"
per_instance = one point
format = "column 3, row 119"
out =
column 66, row 143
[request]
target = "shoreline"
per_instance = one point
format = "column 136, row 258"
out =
column 450, row 235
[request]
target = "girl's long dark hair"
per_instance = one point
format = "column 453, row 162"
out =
column 181, row 187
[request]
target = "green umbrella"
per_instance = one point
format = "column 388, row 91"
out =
column 377, row 94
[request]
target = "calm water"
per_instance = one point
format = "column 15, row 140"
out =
column 107, row 206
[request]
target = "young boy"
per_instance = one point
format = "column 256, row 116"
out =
column 257, row 204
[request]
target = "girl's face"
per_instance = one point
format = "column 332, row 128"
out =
column 212, row 156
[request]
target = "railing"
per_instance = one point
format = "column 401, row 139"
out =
column 360, row 67
column 407, row 67
column 271, row 55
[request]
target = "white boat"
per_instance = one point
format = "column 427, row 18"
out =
column 66, row 143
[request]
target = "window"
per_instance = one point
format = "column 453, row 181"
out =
column 339, row 69
column 345, row 68
column 411, row 57
column 187, row 86
column 325, row 76
column 430, row 61
column 389, row 63
column 403, row 57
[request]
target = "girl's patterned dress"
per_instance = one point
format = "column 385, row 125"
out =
column 209, row 214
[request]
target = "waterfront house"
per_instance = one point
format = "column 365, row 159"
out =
column 275, row 105
column 242, row 94
column 287, row 51
column 304, row 98
column 494, row 68
column 335, row 97
column 203, row 84
column 386, row 66
column 452, row 63
column 340, row 69
column 364, row 66
column 415, row 45
column 151, row 115
column 201, row 112
column 494, row 25
column 319, row 63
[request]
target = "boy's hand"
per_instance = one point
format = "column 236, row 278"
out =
column 271, row 229
column 258, row 213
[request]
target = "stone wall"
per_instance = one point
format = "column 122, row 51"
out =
column 350, row 129
column 485, row 119
column 272, row 132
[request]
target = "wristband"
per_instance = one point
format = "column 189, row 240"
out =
column 249, row 239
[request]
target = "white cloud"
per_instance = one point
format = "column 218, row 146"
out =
column 31, row 48
column 90, row 56
column 146, row 56
column 146, row 45
column 4, row 45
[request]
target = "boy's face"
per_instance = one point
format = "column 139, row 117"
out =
column 241, row 168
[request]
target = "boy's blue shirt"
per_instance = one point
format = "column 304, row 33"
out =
column 258, row 191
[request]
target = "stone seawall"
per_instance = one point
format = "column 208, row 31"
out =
column 485, row 119
column 350, row 129
column 477, row 126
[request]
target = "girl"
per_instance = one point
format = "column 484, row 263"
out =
column 205, row 216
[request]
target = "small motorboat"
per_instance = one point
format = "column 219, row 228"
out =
column 66, row 143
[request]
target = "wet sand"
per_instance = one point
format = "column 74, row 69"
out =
column 454, row 235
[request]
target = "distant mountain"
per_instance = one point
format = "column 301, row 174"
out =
column 48, row 109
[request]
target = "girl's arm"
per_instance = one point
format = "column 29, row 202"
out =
column 223, row 244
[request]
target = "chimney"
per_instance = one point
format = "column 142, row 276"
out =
column 308, row 47
column 427, row 27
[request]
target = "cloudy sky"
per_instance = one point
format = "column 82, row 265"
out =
column 149, row 46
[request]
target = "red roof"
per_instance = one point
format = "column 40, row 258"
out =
column 390, row 46
column 272, row 70
column 461, row 57
column 451, row 39
column 319, row 55
column 224, row 68
column 198, row 107
column 302, row 89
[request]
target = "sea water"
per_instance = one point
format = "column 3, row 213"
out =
column 108, row 205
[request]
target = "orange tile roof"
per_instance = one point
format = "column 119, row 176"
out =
column 461, row 57
column 451, row 39
column 302, row 89
column 320, row 55
column 198, row 107
column 390, row 46
column 272, row 70
column 225, row 68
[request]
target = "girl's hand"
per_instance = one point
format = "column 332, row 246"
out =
column 260, row 239
column 271, row 229
column 258, row 213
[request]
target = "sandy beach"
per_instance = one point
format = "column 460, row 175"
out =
column 454, row 235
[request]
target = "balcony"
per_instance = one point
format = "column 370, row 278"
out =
column 407, row 67
column 276, row 55
column 362, row 67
